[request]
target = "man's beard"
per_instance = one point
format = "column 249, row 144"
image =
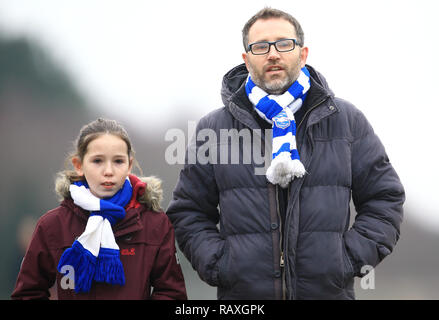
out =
column 277, row 86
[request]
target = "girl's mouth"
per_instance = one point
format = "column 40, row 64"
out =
column 108, row 185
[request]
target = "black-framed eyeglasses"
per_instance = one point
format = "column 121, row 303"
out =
column 263, row 47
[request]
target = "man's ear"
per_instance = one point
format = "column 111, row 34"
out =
column 245, row 58
column 77, row 165
column 303, row 56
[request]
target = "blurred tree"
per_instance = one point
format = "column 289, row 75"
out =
column 41, row 112
column 30, row 69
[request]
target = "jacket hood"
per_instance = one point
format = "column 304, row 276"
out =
column 235, row 78
column 146, row 190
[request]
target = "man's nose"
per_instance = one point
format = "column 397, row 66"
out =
column 273, row 54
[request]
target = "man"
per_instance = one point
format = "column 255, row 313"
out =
column 286, row 234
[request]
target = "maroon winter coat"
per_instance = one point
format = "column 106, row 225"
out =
column 147, row 251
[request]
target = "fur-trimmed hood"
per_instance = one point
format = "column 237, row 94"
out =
column 148, row 190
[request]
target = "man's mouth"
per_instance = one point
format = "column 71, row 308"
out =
column 274, row 69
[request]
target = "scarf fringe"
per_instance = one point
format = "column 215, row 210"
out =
column 83, row 263
column 283, row 169
column 109, row 268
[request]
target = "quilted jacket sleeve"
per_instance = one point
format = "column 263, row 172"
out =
column 194, row 214
column 378, row 196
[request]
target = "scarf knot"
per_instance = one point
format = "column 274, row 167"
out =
column 279, row 111
column 95, row 254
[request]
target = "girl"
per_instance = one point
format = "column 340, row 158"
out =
column 109, row 238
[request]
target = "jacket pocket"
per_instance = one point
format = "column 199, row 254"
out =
column 348, row 269
column 224, row 267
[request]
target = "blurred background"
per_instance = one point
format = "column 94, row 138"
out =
column 154, row 66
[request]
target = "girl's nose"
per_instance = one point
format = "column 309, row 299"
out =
column 108, row 170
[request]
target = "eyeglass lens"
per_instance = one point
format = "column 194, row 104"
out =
column 280, row 45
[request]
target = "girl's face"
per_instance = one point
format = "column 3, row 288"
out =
column 106, row 165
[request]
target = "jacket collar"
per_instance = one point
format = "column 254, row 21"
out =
column 319, row 101
column 130, row 223
column 235, row 97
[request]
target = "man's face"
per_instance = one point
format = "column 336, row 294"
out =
column 275, row 71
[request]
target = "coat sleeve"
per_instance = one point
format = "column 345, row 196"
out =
column 194, row 214
column 166, row 276
column 38, row 271
column 378, row 196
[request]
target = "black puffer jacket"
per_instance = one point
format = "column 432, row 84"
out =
column 315, row 254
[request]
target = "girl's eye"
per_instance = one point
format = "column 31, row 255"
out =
column 119, row 161
column 97, row 160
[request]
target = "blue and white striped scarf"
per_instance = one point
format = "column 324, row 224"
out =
column 95, row 254
column 279, row 111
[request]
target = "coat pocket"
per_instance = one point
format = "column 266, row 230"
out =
column 224, row 267
column 348, row 269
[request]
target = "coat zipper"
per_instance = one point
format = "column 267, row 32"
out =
column 309, row 110
column 285, row 248
column 282, row 259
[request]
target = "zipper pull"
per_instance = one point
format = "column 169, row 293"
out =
column 282, row 261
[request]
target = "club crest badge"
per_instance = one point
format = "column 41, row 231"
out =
column 281, row 120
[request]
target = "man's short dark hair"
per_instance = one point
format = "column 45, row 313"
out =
column 268, row 13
